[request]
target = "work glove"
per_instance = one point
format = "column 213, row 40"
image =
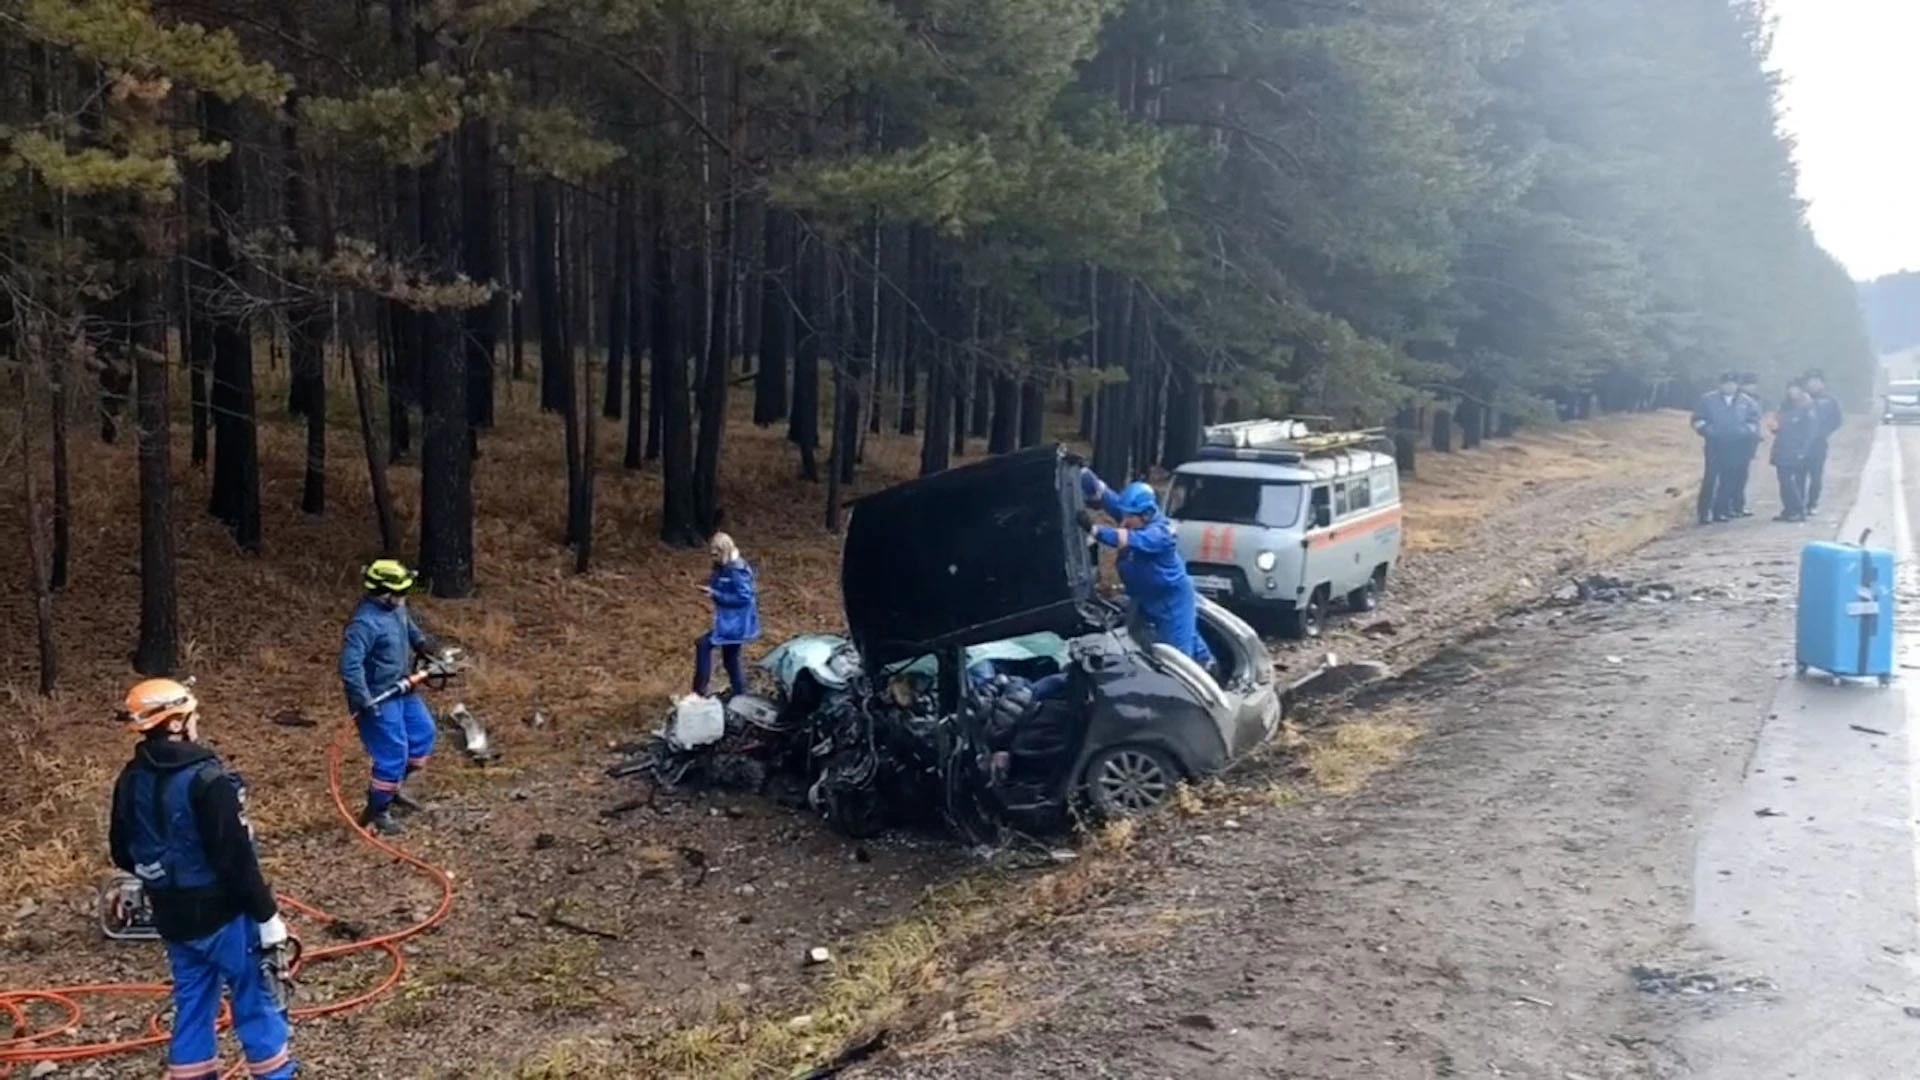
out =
column 273, row 932
column 1090, row 484
column 1084, row 520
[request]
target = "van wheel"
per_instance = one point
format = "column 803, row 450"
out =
column 1367, row 597
column 1126, row 781
column 1307, row 620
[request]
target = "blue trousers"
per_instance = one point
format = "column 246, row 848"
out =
column 398, row 738
column 1177, row 624
column 229, row 960
column 703, row 665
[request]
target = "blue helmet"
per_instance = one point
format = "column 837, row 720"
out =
column 1138, row 498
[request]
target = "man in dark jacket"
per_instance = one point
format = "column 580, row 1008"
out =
column 179, row 824
column 1796, row 429
column 1727, row 422
column 1827, row 412
column 1742, row 465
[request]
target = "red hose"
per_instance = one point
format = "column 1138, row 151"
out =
column 27, row 1044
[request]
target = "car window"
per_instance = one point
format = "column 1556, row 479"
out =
column 1340, row 500
column 1383, row 482
column 1321, row 497
column 1234, row 500
column 1359, row 495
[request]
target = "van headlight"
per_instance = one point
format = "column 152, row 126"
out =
column 1264, row 561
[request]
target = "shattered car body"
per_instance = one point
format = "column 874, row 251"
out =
column 984, row 681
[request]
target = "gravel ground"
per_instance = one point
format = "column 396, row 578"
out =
column 1477, row 910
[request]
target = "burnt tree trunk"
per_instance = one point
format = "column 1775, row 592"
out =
column 546, row 289
column 677, row 525
column 446, row 459
column 776, row 322
column 481, row 264
column 307, row 316
column 384, row 516
column 811, row 323
column 158, row 650
column 613, row 395
column 633, row 275
column 236, row 449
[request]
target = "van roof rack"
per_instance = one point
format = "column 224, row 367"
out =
column 1287, row 441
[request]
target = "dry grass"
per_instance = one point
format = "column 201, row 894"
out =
column 1453, row 493
column 1340, row 759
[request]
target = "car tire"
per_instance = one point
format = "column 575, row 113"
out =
column 1367, row 597
column 1305, row 621
column 1129, row 780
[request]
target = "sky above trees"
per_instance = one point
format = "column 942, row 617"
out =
column 1849, row 70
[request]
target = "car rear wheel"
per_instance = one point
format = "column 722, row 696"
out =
column 1367, row 597
column 1125, row 781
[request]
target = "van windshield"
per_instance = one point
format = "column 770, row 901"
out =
column 1234, row 500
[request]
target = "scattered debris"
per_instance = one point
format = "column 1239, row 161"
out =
column 1912, row 1011
column 697, row 859
column 854, row 1054
column 564, row 923
column 537, row 720
column 544, row 841
column 294, row 718
column 1199, row 1021
column 1652, row 980
column 1383, row 628
column 1525, row 1000
column 1616, row 660
column 1867, row 730
column 1768, row 811
column 801, row 1022
column 819, row 954
column 474, row 741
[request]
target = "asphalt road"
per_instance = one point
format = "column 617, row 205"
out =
column 1805, row 875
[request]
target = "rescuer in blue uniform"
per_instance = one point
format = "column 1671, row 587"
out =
column 179, row 824
column 380, row 643
column 1148, row 561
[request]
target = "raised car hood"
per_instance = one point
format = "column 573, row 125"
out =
column 981, row 553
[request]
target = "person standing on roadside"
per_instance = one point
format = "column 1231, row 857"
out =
column 1742, row 466
column 1827, row 412
column 1727, row 422
column 1795, row 429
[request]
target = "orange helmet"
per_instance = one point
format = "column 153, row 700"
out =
column 156, row 701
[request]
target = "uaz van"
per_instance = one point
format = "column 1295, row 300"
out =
column 1273, row 518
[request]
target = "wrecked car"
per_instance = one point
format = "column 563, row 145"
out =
column 983, row 681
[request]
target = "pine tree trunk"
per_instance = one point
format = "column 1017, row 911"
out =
column 614, row 393
column 1005, row 430
column 158, row 650
column 516, row 265
column 1033, row 412
column 479, row 261
column 715, row 381
column 383, row 512
column 236, row 448
column 574, row 277
column 811, row 330
column 547, row 297
column 634, row 276
column 776, row 322
column 582, row 528
column 61, row 365
column 37, row 571
column 446, row 460
column 677, row 524
column 307, row 316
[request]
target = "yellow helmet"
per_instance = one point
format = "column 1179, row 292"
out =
column 156, row 701
column 387, row 576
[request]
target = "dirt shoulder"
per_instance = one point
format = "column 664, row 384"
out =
column 703, row 906
column 1475, row 911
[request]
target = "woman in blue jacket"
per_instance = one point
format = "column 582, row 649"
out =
column 736, row 615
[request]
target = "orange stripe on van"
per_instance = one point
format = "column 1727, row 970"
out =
column 1353, row 530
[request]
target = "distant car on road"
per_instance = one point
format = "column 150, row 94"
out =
column 1903, row 402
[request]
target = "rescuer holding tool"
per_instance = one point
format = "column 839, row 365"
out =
column 376, row 657
column 179, row 824
column 1148, row 561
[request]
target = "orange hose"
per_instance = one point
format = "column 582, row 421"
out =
column 29, row 1044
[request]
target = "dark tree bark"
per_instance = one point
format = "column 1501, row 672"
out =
column 776, row 322
column 619, row 288
column 307, row 316
column 1004, row 431
column 677, row 524
column 1033, row 412
column 575, row 276
column 1472, row 423
column 516, row 265
column 199, row 336
column 478, row 259
column 1442, row 431
column 61, row 378
column 811, row 329
column 634, row 276
column 1184, row 427
column 715, row 381
column 37, row 571
column 384, row 516
column 446, row 459
column 547, row 297
column 588, row 453
column 159, row 644
column 236, row 448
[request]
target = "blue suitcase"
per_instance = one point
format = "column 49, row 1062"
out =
column 1844, row 625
